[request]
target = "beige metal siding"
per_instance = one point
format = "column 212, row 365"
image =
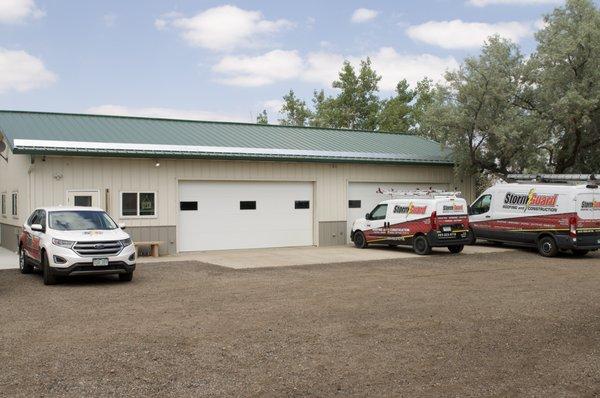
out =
column 54, row 176
column 14, row 178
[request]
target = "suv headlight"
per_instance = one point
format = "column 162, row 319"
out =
column 63, row 243
column 126, row 242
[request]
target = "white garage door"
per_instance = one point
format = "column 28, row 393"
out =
column 217, row 215
column 363, row 197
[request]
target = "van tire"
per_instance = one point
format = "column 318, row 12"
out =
column 547, row 246
column 456, row 249
column 421, row 245
column 360, row 240
column 24, row 265
column 49, row 278
column 580, row 252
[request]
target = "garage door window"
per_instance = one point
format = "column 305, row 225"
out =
column 302, row 204
column 354, row 204
column 188, row 206
column 138, row 204
column 248, row 205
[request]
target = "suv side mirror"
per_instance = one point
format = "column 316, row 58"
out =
column 122, row 226
column 368, row 216
column 37, row 227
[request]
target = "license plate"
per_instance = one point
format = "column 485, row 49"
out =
column 100, row 262
column 447, row 229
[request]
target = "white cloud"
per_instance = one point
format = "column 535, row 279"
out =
column 20, row 71
column 224, row 28
column 261, row 70
column 273, row 106
column 459, row 34
column 165, row 113
column 362, row 15
column 15, row 11
column 322, row 67
column 483, row 3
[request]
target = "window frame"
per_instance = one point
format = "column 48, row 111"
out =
column 3, row 204
column 137, row 205
column 14, row 204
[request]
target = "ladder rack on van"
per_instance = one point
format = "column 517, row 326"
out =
column 430, row 193
column 553, row 178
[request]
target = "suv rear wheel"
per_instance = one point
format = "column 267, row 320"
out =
column 421, row 245
column 547, row 246
column 24, row 265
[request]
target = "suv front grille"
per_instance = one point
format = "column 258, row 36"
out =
column 106, row 248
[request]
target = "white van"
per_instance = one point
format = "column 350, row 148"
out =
column 419, row 219
column 552, row 216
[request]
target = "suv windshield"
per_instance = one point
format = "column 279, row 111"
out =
column 80, row 220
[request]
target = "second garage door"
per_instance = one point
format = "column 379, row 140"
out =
column 216, row 215
column 363, row 196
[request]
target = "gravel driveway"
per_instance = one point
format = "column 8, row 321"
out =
column 499, row 324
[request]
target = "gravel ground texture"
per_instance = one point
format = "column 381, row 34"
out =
column 502, row 324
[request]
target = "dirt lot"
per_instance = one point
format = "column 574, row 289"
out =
column 492, row 324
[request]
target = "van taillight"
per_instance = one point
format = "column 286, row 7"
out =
column 573, row 226
column 434, row 221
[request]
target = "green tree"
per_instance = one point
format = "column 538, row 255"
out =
column 294, row 111
column 564, row 81
column 397, row 112
column 474, row 113
column 262, row 118
column 357, row 105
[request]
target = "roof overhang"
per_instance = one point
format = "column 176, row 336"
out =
column 110, row 149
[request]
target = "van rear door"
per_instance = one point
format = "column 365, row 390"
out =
column 452, row 215
column 588, row 225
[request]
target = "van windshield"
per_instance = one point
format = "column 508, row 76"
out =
column 78, row 220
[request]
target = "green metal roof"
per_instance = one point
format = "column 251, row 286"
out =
column 78, row 134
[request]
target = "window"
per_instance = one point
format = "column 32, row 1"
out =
column 187, row 206
column 14, row 204
column 302, row 204
column 379, row 212
column 248, row 205
column 83, row 200
column 4, row 204
column 354, row 204
column 138, row 204
column 481, row 205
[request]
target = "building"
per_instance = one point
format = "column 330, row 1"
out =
column 209, row 185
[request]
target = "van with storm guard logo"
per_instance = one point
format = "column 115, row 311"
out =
column 550, row 213
column 422, row 219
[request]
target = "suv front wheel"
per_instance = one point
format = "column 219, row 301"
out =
column 49, row 277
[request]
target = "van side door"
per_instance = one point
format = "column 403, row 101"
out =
column 480, row 216
column 377, row 224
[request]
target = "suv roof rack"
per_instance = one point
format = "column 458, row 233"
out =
column 553, row 178
column 419, row 193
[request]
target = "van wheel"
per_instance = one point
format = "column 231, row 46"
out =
column 547, row 246
column 421, row 245
column 360, row 240
column 24, row 266
column 456, row 248
column 579, row 252
column 49, row 278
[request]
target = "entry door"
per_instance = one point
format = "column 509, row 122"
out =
column 216, row 215
column 85, row 198
column 363, row 197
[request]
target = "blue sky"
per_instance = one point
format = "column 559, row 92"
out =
column 228, row 60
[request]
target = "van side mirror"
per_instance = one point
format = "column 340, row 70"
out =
column 37, row 227
column 368, row 216
column 122, row 226
column 469, row 210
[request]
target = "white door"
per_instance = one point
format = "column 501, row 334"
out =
column 86, row 198
column 363, row 197
column 216, row 215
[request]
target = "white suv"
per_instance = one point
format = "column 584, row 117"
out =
column 64, row 241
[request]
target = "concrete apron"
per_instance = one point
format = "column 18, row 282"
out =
column 8, row 259
column 289, row 256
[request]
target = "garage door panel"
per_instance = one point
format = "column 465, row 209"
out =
column 366, row 193
column 219, row 223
